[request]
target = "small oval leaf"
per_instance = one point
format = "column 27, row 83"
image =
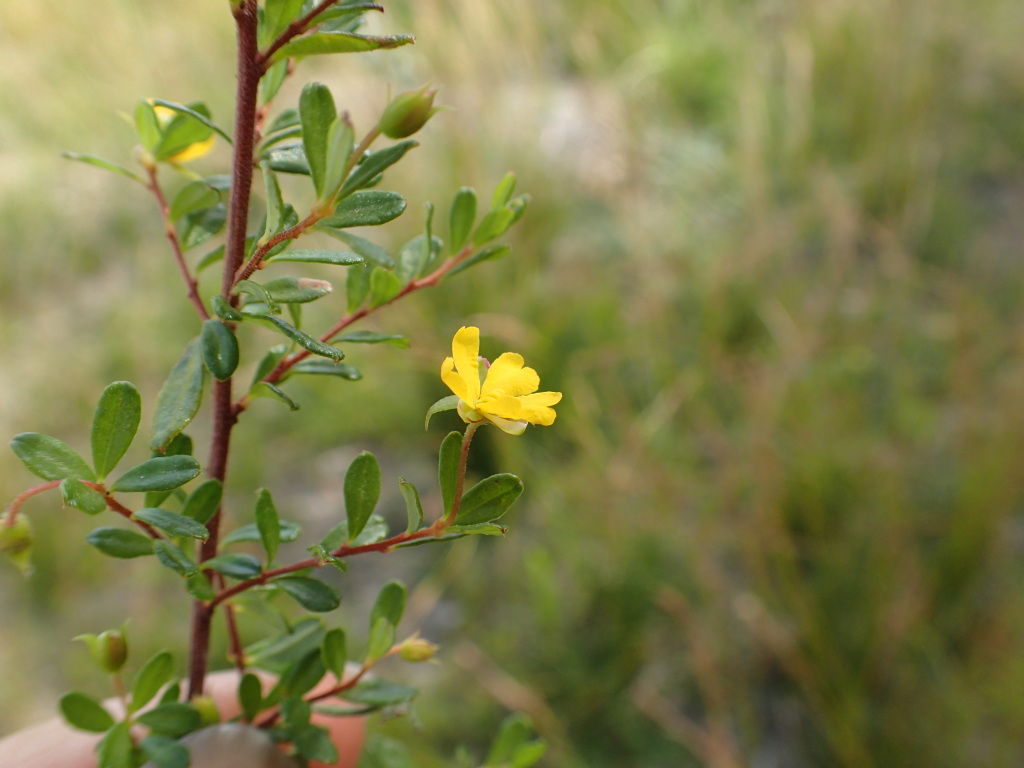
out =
column 114, row 425
column 220, row 349
column 164, row 473
column 362, row 490
column 49, row 458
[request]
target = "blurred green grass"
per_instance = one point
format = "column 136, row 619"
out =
column 773, row 261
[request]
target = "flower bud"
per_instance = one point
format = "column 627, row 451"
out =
column 408, row 112
column 16, row 543
column 416, row 648
column 109, row 649
column 207, row 708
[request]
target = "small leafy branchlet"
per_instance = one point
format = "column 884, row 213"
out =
column 171, row 507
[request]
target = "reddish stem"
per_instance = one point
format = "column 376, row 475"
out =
column 225, row 414
column 172, row 238
column 12, row 511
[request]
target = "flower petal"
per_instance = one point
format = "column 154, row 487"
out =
column 507, row 376
column 507, row 426
column 466, row 354
column 455, row 382
column 536, row 408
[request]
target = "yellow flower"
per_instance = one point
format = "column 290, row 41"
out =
column 506, row 395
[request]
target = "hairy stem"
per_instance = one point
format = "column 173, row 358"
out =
column 224, row 413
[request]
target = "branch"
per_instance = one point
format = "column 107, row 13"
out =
column 172, row 237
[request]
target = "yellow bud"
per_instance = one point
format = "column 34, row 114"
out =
column 208, row 712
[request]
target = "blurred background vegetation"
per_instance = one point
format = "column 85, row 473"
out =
column 774, row 261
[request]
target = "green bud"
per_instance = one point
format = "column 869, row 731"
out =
column 109, row 649
column 416, row 648
column 16, row 543
column 207, row 708
column 408, row 112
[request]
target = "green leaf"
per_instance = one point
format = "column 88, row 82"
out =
column 277, row 15
column 265, row 389
column 300, row 679
column 49, row 458
column 268, row 524
column 179, row 398
column 338, row 42
column 449, row 403
column 340, row 140
column 259, row 293
column 373, row 164
column 196, row 112
column 276, row 653
column 311, row 256
column 235, row 564
column 200, row 587
column 147, row 126
column 154, row 675
column 371, row 252
column 99, row 162
column 164, row 473
column 173, row 719
column 114, row 424
column 415, row 258
column 192, row 197
column 115, row 748
column 85, row 713
column 313, row 742
column 390, row 603
column 317, row 111
column 372, row 337
column 376, row 530
column 297, row 290
column 173, row 524
column 202, row 503
column 490, row 253
column 80, row 496
column 272, row 82
column 305, row 341
column 369, row 208
column 197, row 227
column 164, row 752
column 223, row 309
column 384, row 286
column 120, row 542
column 512, row 747
column 269, row 361
column 380, row 693
column 461, row 218
column 413, row 506
column 219, row 349
column 173, row 558
column 250, row 696
column 357, row 286
column 291, row 159
column 503, row 192
column 382, row 638
column 275, row 205
column 287, row 531
column 326, row 368
column 494, row 224
column 362, row 490
column 489, row 499
column 448, row 468
column 334, row 652
column 312, row 594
